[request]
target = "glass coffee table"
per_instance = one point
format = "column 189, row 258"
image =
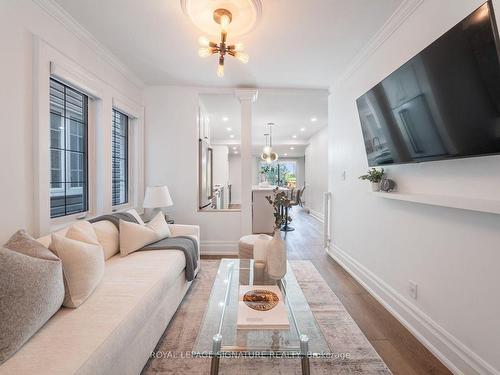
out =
column 220, row 337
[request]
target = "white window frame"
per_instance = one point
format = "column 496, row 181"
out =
column 64, row 171
column 135, row 116
column 127, row 205
column 47, row 62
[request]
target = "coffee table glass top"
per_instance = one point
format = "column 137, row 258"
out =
column 219, row 323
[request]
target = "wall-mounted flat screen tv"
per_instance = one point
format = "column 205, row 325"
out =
column 444, row 103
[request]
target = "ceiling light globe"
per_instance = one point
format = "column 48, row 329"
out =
column 224, row 22
column 204, row 52
column 243, row 57
column 203, row 41
column 220, row 71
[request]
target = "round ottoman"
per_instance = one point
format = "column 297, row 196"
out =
column 246, row 245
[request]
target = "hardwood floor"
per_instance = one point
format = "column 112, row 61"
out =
column 399, row 349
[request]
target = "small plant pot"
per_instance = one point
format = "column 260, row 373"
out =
column 375, row 186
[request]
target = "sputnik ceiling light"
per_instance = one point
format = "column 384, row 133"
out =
column 208, row 48
column 267, row 153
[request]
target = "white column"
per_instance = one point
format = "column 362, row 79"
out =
column 246, row 97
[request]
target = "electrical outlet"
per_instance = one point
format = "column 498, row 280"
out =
column 413, row 289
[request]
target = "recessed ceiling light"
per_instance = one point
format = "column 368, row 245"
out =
column 225, row 119
column 236, row 152
column 292, row 148
column 302, row 129
column 314, row 119
column 294, row 136
column 229, row 129
column 234, row 147
column 231, row 136
column 285, row 154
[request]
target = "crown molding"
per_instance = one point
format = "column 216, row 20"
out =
column 64, row 18
column 400, row 15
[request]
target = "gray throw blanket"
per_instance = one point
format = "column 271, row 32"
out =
column 185, row 244
column 115, row 218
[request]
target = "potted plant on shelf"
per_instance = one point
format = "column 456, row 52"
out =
column 276, row 252
column 374, row 176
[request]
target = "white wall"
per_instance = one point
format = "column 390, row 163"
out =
column 172, row 159
column 235, row 177
column 20, row 21
column 453, row 255
column 316, row 170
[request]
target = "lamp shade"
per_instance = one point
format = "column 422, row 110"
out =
column 156, row 197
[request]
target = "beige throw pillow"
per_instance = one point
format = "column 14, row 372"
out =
column 82, row 231
column 135, row 236
column 83, row 267
column 159, row 225
column 108, row 236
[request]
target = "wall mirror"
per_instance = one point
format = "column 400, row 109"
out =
column 219, row 124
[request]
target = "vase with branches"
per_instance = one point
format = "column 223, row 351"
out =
column 280, row 203
column 276, row 253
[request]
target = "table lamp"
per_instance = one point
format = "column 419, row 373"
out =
column 156, row 198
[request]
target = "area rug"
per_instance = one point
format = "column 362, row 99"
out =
column 355, row 354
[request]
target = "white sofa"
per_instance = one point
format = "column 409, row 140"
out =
column 115, row 330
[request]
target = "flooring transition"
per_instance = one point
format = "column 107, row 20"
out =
column 400, row 350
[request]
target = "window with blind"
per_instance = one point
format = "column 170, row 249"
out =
column 119, row 158
column 68, row 150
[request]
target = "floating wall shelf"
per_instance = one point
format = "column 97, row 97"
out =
column 471, row 204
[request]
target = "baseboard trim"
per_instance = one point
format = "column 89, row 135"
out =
column 447, row 348
column 219, row 248
column 317, row 215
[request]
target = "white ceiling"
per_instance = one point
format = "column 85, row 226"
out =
column 297, row 43
column 291, row 110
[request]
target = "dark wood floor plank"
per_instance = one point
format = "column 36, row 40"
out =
column 400, row 350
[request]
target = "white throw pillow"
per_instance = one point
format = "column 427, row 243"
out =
column 135, row 236
column 83, row 268
column 136, row 216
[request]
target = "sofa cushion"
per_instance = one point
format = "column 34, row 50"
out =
column 32, row 291
column 83, row 267
column 112, row 316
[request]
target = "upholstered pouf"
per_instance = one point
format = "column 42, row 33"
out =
column 246, row 245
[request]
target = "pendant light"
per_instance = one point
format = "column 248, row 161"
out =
column 268, row 154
